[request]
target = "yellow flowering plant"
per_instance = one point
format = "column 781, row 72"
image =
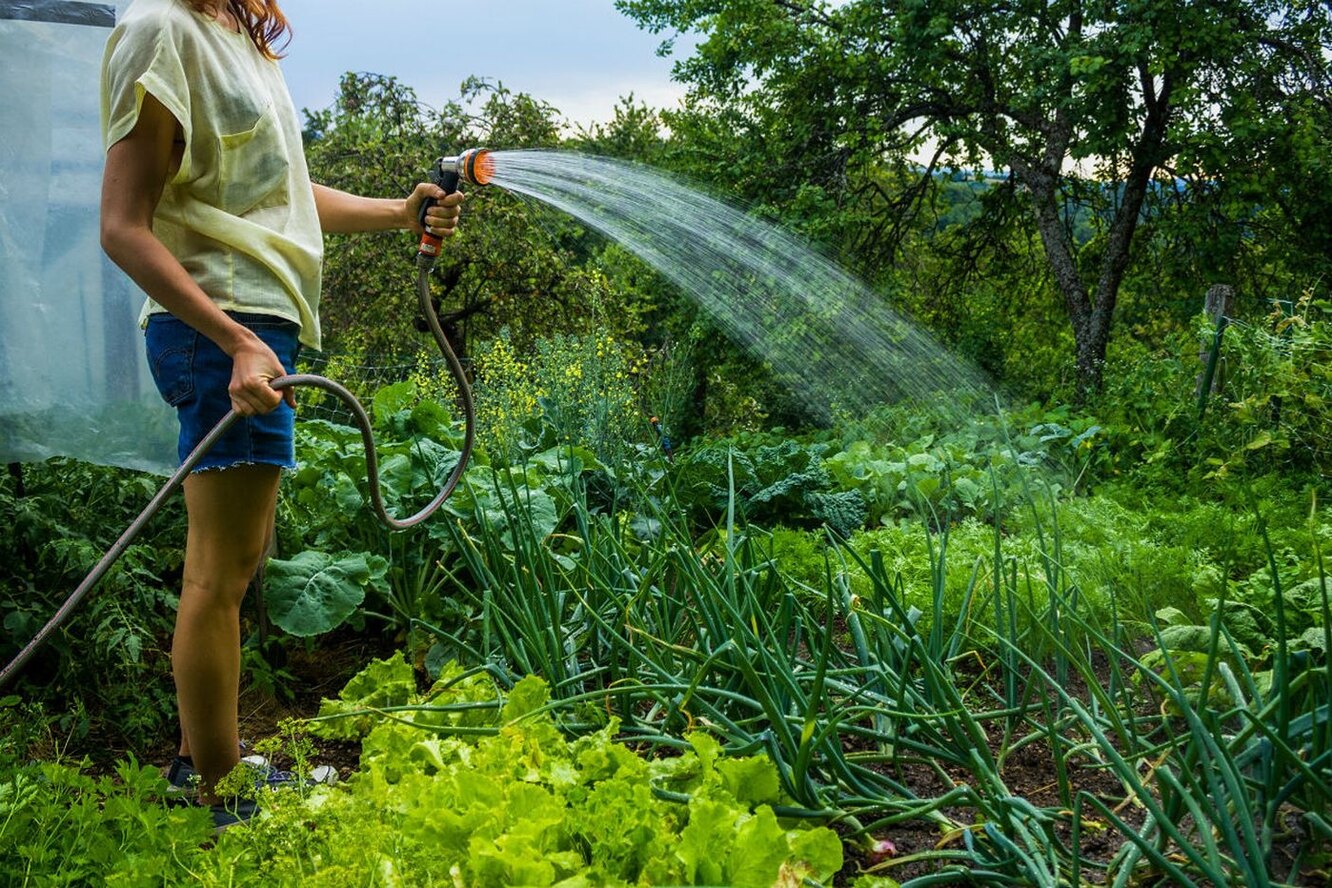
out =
column 566, row 389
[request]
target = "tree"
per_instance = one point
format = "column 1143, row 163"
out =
column 512, row 263
column 1064, row 97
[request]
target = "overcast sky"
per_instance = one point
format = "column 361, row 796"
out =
column 578, row 55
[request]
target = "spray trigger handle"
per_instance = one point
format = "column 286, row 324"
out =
column 446, row 178
column 443, row 177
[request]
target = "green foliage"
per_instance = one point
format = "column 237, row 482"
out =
column 524, row 805
column 105, row 671
column 783, row 483
column 387, row 682
column 975, row 280
column 315, row 592
column 852, row 117
column 1277, row 400
column 1253, row 639
column 1269, row 417
column 809, row 652
column 521, row 805
column 932, row 474
column 567, row 390
column 334, row 537
column 511, row 264
column 972, row 472
column 633, row 133
column 490, row 496
column 61, row 826
column 715, row 630
column 325, row 514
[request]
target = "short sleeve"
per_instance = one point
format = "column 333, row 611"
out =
column 143, row 57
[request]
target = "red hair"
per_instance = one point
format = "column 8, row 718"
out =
column 262, row 20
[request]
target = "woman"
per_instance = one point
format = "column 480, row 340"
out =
column 207, row 205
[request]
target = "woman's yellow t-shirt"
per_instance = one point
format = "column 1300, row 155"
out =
column 239, row 214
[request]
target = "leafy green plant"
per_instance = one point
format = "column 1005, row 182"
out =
column 452, row 786
column 109, row 662
column 974, row 470
column 389, row 685
column 780, row 483
column 515, row 802
column 1266, row 417
column 1278, row 392
column 667, row 631
column 60, row 825
column 313, row 592
column 339, row 549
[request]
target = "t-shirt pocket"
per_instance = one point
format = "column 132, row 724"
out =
column 254, row 167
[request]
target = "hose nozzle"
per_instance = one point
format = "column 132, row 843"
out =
column 475, row 167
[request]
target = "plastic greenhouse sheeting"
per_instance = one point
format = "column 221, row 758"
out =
column 73, row 378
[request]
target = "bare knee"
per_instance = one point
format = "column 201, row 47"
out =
column 213, row 592
column 230, row 515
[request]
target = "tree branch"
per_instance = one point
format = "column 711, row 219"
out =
column 811, row 14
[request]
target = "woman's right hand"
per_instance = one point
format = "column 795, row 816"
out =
column 254, row 366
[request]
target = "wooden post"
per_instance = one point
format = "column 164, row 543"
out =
column 1217, row 304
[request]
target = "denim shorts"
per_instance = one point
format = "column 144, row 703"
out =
column 193, row 374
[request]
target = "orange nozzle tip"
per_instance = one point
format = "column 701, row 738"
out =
column 484, row 170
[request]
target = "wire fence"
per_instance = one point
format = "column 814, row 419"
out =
column 365, row 375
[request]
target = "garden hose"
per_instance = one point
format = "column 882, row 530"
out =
column 472, row 166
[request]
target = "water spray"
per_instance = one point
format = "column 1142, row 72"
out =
column 473, row 166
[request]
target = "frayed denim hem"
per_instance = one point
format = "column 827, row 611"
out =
column 222, row 467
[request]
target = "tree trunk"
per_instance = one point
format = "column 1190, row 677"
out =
column 1090, row 322
column 1091, row 343
column 1091, row 312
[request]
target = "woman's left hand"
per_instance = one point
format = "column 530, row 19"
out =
column 442, row 218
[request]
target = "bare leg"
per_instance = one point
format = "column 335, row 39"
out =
column 230, row 513
column 270, row 546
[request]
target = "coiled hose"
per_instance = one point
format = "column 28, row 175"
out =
column 424, row 264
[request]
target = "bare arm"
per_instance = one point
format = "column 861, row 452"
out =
column 137, row 169
column 343, row 213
